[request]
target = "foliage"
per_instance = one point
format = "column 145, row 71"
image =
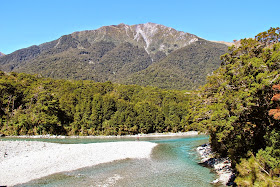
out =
column 264, row 168
column 275, row 113
column 269, row 37
column 235, row 104
column 33, row 105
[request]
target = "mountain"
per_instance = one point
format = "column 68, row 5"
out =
column 186, row 67
column 226, row 43
column 144, row 54
column 2, row 54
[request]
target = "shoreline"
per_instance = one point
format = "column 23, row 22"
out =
column 168, row 134
column 23, row 161
column 222, row 166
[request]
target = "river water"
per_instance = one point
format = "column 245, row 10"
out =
column 174, row 162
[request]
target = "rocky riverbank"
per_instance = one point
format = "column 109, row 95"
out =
column 222, row 166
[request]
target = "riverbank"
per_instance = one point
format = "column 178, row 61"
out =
column 168, row 134
column 23, row 161
column 222, row 166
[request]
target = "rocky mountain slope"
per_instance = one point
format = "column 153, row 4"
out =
column 144, row 54
column 2, row 54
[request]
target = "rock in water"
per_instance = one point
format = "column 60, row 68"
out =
column 222, row 166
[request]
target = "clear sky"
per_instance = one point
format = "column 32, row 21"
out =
column 32, row 22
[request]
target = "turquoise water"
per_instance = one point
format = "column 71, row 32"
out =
column 174, row 162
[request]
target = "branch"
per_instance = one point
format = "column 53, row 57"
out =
column 260, row 165
column 274, row 78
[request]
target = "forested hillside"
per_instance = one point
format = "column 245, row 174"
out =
column 144, row 54
column 32, row 105
column 185, row 68
column 239, row 105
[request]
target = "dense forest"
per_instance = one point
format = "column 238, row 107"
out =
column 33, row 105
column 240, row 108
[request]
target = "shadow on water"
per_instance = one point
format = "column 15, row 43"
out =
column 173, row 163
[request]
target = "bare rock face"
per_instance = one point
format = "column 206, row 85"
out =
column 150, row 36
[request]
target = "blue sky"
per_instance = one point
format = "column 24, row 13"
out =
column 32, row 22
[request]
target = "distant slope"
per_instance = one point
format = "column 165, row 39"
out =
column 184, row 68
column 2, row 54
column 226, row 43
column 123, row 54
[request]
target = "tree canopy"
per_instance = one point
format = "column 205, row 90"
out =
column 33, row 105
column 237, row 109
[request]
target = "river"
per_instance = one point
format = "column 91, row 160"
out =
column 174, row 162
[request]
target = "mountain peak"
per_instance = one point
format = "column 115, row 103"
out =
column 2, row 54
column 151, row 36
